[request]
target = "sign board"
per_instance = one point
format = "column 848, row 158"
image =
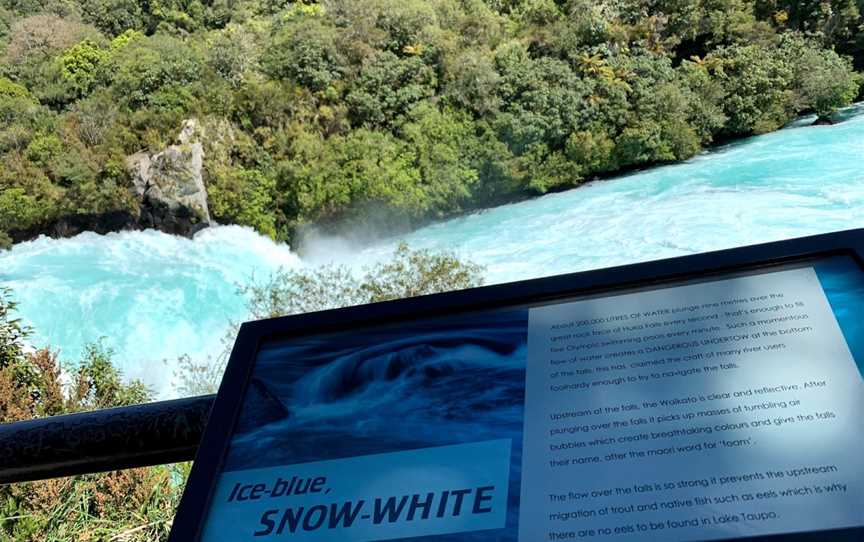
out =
column 710, row 397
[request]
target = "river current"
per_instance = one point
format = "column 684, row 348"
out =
column 152, row 297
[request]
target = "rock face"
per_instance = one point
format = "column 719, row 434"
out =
column 168, row 185
column 171, row 185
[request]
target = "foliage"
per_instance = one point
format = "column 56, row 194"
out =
column 472, row 81
column 13, row 332
column 113, row 17
column 81, row 64
column 136, row 505
column 304, row 51
column 27, row 195
column 233, row 54
column 350, row 174
column 40, row 36
column 387, row 87
column 10, row 89
column 245, row 197
column 441, row 144
column 823, row 80
column 146, row 69
column 757, row 86
column 385, row 113
column 543, row 99
column 406, row 273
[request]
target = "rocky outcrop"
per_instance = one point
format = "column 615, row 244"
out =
column 170, row 185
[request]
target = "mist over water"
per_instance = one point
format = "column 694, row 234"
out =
column 154, row 297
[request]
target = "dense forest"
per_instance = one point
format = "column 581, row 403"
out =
column 332, row 112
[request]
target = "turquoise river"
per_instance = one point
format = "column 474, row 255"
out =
column 152, row 297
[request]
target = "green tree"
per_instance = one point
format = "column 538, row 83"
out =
column 11, row 89
column 387, row 87
column 543, row 100
column 28, row 198
column 81, row 65
column 304, row 51
column 822, row 80
column 233, row 53
column 347, row 175
column 660, row 129
column 757, row 84
column 593, row 149
column 147, row 67
column 113, row 17
column 706, row 94
column 405, row 23
column 471, row 82
column 69, row 9
column 542, row 169
column 440, row 141
column 245, row 197
column 835, row 22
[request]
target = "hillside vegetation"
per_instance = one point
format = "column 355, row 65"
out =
column 404, row 110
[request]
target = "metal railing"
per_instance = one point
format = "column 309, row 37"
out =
column 103, row 440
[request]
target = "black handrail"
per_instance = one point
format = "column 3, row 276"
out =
column 103, row 440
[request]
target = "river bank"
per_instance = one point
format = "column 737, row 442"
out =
column 181, row 208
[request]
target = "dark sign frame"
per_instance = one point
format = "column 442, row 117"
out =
column 194, row 505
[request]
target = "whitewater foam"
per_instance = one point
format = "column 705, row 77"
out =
column 149, row 296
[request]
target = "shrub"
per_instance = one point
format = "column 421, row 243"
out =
column 406, row 273
column 757, row 85
column 10, row 89
column 344, row 176
column 823, row 81
column 305, row 52
column 233, row 54
column 543, row 99
column 82, row 63
column 145, row 67
column 115, row 16
column 135, row 505
column 20, row 210
column 387, row 87
column 441, row 141
column 245, row 197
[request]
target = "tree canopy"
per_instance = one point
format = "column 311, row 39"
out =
column 330, row 112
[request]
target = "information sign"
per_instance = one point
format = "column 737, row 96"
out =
column 710, row 397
